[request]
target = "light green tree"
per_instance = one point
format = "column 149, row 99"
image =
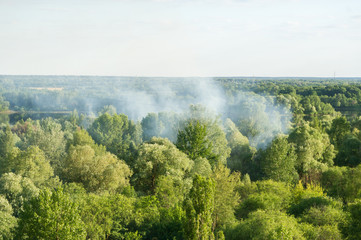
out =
column 17, row 190
column 7, row 150
column 32, row 163
column 159, row 157
column 270, row 225
column 226, row 197
column 7, row 220
column 52, row 215
column 97, row 173
column 199, row 208
column 314, row 152
column 48, row 136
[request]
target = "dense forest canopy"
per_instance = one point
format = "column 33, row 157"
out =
column 87, row 157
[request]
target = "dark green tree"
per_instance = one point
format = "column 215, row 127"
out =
column 277, row 162
column 340, row 127
column 118, row 134
column 193, row 141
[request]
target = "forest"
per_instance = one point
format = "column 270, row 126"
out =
column 91, row 157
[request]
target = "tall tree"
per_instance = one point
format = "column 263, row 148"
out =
column 199, row 208
column 242, row 154
column 7, row 150
column 215, row 136
column 193, row 141
column 225, row 196
column 118, row 134
column 277, row 162
column 340, row 127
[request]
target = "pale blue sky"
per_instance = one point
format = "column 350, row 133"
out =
column 181, row 37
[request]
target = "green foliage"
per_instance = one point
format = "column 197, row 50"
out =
column 97, row 173
column 266, row 225
column 201, row 167
column 324, row 215
column 123, row 215
column 7, row 220
column 7, row 151
column 353, row 229
column 263, row 195
column 152, row 126
column 349, row 151
column 169, row 191
column 343, row 182
column 117, row 133
column 17, row 190
column 339, row 129
column 109, row 109
column 193, row 141
column 52, row 215
column 163, row 124
column 4, row 105
column 326, row 232
column 170, row 225
column 81, row 137
column 199, row 208
column 300, row 192
column 203, row 132
column 314, row 152
column 277, row 162
column 33, row 164
column 96, row 213
column 159, row 157
column 48, row 136
column 225, row 196
column 99, row 202
column 306, row 204
column 241, row 157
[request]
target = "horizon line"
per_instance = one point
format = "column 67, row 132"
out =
column 154, row 76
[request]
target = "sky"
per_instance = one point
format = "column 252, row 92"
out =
column 181, row 38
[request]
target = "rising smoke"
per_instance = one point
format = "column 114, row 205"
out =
column 258, row 117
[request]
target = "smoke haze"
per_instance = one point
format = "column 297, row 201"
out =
column 258, row 117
